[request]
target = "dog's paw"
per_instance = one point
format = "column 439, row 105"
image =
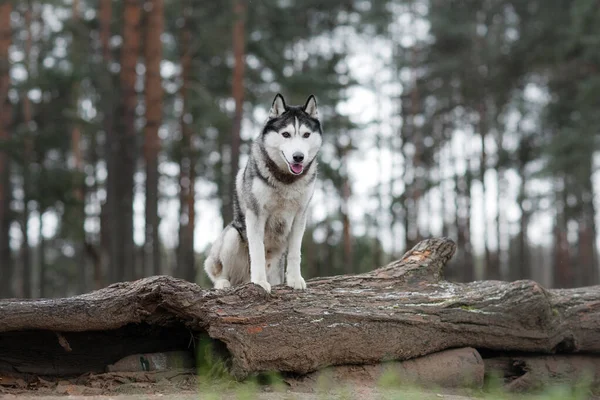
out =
column 264, row 284
column 296, row 282
column 222, row 284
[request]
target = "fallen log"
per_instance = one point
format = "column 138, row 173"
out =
column 456, row 368
column 397, row 312
column 525, row 373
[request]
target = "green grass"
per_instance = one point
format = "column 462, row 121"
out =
column 215, row 383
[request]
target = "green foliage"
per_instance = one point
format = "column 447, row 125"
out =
column 469, row 73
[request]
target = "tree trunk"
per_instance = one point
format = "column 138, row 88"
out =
column 345, row 212
column 469, row 267
column 398, row 312
column 78, row 214
column 42, row 258
column 522, row 269
column 587, row 252
column 563, row 271
column 417, row 187
column 462, row 207
column 127, row 140
column 108, row 223
column 154, row 95
column 6, row 264
column 534, row 372
column 26, row 288
column 347, row 232
column 190, row 273
column 489, row 268
column 455, row 368
column 444, row 187
column 237, row 89
column 378, row 253
column 93, row 245
column 105, row 17
column 186, row 267
column 501, row 190
column 418, row 168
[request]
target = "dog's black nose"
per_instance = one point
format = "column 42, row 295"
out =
column 298, row 157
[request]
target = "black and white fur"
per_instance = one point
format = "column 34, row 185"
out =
column 270, row 202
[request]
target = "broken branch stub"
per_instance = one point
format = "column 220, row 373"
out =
column 398, row 312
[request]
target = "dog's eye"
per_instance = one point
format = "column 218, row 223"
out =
column 286, row 134
column 306, row 135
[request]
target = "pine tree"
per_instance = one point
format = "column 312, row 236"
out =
column 27, row 112
column 153, row 100
column 237, row 89
column 127, row 140
column 108, row 220
column 6, row 264
column 187, row 163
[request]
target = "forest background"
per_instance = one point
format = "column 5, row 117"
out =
column 123, row 122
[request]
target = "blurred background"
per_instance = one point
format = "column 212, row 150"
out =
column 122, row 124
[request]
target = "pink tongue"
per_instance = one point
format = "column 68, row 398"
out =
column 297, row 168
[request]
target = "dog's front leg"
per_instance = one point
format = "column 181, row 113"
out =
column 255, row 229
column 293, row 275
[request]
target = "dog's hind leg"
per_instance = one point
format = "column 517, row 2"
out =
column 214, row 269
column 275, row 266
column 229, row 260
column 227, row 263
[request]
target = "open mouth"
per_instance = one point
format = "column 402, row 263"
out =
column 296, row 168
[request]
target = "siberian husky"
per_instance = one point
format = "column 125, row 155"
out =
column 270, row 202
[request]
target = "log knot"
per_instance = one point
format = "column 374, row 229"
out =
column 423, row 263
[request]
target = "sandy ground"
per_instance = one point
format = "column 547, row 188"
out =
column 184, row 385
column 359, row 394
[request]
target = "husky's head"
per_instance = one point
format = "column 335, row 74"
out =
column 292, row 135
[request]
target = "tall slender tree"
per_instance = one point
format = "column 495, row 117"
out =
column 237, row 89
column 413, row 98
column 127, row 149
column 42, row 257
column 108, row 222
column 6, row 264
column 520, row 268
column 78, row 213
column 187, row 164
column 27, row 157
column 153, row 99
column 563, row 273
column 347, row 241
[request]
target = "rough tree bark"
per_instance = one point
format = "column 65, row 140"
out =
column 586, row 243
column 523, row 254
column 237, row 92
column 400, row 311
column 78, row 213
column 186, row 267
column 6, row 265
column 490, row 271
column 127, row 157
column 563, row 271
column 345, row 209
column 534, row 372
column 108, row 221
column 42, row 257
column 26, row 287
column 154, row 94
column 462, row 217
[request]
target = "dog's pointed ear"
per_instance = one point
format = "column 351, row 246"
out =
column 278, row 106
column 311, row 107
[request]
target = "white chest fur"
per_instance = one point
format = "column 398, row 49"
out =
column 280, row 206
